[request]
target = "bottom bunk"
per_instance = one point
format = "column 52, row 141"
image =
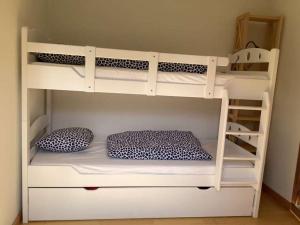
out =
column 94, row 168
column 90, row 185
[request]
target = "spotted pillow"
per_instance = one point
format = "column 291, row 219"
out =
column 66, row 140
column 156, row 145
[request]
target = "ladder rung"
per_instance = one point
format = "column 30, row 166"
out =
column 240, row 107
column 239, row 181
column 243, row 133
column 245, row 118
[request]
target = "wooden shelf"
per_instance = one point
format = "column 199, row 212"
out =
column 234, row 152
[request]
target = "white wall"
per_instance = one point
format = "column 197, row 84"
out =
column 13, row 13
column 285, row 127
column 179, row 26
column 111, row 113
column 204, row 27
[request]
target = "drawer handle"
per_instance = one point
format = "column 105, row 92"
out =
column 204, row 188
column 91, row 188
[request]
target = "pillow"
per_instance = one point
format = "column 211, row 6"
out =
column 156, row 145
column 66, row 140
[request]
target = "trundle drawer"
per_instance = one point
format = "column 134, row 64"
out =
column 142, row 202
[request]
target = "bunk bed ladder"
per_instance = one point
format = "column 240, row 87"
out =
column 261, row 136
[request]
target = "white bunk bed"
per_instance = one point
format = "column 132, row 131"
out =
column 58, row 188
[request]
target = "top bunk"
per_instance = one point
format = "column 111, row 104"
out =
column 91, row 69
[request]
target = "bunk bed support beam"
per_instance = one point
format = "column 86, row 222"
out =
column 25, row 126
column 221, row 138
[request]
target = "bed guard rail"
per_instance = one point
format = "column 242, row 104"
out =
column 153, row 58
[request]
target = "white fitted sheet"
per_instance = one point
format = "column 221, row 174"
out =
column 140, row 75
column 94, row 160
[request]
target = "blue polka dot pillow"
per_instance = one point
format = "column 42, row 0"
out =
column 66, row 140
column 156, row 145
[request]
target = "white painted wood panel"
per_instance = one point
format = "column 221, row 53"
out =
column 149, row 202
column 67, row 176
column 54, row 77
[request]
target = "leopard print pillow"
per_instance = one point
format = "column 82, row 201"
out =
column 121, row 63
column 156, row 145
column 66, row 140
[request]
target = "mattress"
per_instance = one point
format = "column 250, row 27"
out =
column 94, row 160
column 121, row 63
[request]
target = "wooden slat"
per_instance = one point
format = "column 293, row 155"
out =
column 123, row 54
column 241, row 107
column 243, row 133
column 55, row 48
column 239, row 182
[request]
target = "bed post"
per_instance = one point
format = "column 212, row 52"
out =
column 221, row 139
column 49, row 110
column 25, row 126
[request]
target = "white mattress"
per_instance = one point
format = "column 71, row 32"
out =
column 140, row 75
column 94, row 160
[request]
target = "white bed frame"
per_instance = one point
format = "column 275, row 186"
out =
column 61, row 193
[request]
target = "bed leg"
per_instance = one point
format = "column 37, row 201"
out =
column 256, row 203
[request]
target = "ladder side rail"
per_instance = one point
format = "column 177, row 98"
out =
column 262, row 144
column 272, row 71
column 221, row 139
column 265, row 127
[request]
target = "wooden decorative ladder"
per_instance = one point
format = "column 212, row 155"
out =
column 258, row 138
column 241, row 39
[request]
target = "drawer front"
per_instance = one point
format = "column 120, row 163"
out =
column 148, row 202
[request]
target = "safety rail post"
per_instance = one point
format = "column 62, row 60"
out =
column 90, row 68
column 211, row 76
column 152, row 74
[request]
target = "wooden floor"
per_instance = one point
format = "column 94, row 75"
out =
column 270, row 213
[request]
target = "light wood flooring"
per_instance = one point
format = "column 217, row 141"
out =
column 270, row 213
